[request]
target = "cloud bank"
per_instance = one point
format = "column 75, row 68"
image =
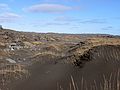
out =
column 49, row 8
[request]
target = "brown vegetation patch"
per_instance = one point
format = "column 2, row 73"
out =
column 11, row 72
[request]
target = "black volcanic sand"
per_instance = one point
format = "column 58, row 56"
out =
column 105, row 62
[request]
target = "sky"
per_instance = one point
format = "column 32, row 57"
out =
column 61, row 16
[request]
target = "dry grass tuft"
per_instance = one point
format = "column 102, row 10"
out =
column 107, row 83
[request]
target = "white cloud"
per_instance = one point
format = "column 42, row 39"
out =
column 49, row 8
column 94, row 21
column 56, row 24
column 9, row 17
column 6, row 15
column 67, row 19
column 4, row 7
column 108, row 28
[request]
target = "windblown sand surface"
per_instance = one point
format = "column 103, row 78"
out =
column 104, row 66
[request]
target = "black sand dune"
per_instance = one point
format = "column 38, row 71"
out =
column 100, row 70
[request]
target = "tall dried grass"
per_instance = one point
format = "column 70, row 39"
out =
column 107, row 83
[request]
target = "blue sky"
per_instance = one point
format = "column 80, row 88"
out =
column 61, row 16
